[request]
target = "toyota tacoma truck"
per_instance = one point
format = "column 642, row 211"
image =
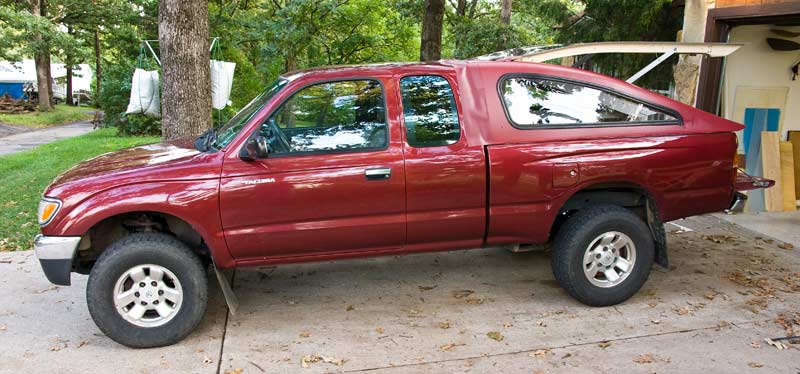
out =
column 355, row 161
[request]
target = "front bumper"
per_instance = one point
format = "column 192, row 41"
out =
column 55, row 254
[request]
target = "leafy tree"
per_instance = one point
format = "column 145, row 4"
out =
column 25, row 31
column 615, row 20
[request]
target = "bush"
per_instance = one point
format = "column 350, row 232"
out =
column 116, row 91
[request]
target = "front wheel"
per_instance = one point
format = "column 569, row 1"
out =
column 147, row 290
column 603, row 255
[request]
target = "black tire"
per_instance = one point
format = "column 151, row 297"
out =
column 575, row 236
column 139, row 249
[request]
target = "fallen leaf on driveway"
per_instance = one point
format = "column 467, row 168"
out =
column 655, row 321
column 307, row 360
column 786, row 246
column 755, row 365
column 646, row 358
column 82, row 343
column 775, row 344
column 235, row 371
column 495, row 335
column 447, row 347
column 755, row 344
column 462, row 293
column 540, row 353
column 2, row 327
column 51, row 288
column 507, row 325
column 349, row 308
column 379, row 330
column 682, row 311
column 426, row 288
column 208, row 360
column 444, row 325
column 474, row 300
column 604, row 345
column 710, row 295
column 305, row 334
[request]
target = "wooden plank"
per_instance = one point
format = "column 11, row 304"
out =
column 794, row 138
column 771, row 162
column 787, row 177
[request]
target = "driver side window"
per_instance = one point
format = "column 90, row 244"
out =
column 330, row 117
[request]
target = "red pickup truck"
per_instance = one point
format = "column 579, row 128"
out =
column 344, row 162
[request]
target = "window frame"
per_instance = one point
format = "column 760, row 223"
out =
column 677, row 121
column 402, row 111
column 302, row 87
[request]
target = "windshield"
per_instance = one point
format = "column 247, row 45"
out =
column 226, row 133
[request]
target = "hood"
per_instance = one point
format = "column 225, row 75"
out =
column 122, row 162
column 159, row 162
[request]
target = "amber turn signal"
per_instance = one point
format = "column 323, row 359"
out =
column 48, row 207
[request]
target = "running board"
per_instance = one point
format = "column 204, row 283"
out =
column 227, row 291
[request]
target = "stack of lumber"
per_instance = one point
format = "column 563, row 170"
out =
column 780, row 161
column 11, row 106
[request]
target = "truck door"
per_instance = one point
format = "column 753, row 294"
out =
column 333, row 181
column 445, row 176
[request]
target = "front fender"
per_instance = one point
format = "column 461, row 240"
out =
column 196, row 202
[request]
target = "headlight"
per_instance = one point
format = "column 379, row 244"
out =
column 48, row 207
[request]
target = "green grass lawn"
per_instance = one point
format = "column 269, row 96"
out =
column 60, row 115
column 25, row 175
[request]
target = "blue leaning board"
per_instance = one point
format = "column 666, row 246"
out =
column 757, row 120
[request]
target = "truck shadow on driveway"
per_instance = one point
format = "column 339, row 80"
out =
column 423, row 312
column 403, row 310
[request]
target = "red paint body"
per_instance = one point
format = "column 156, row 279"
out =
column 498, row 184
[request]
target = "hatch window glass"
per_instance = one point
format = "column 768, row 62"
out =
column 330, row 117
column 429, row 111
column 536, row 102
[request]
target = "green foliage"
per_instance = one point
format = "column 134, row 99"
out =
column 26, row 174
column 616, row 20
column 116, row 88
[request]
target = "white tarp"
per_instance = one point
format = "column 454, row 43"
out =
column 145, row 97
column 221, row 82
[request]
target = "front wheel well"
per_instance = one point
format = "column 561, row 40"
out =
column 624, row 194
column 111, row 229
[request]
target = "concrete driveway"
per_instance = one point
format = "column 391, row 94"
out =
column 477, row 311
column 20, row 141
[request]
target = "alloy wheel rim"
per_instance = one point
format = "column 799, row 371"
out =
column 609, row 259
column 148, row 295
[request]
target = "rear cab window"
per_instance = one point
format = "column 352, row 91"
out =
column 429, row 111
column 532, row 102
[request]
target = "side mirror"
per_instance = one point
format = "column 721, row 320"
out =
column 255, row 148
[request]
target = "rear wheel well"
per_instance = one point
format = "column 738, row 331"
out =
column 627, row 195
column 109, row 230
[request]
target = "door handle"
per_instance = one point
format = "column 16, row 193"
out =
column 378, row 173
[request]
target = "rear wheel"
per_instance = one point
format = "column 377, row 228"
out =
column 603, row 255
column 147, row 290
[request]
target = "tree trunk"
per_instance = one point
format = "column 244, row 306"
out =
column 41, row 58
column 186, row 83
column 505, row 12
column 431, row 44
column 505, row 19
column 68, row 64
column 69, row 85
column 98, row 69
